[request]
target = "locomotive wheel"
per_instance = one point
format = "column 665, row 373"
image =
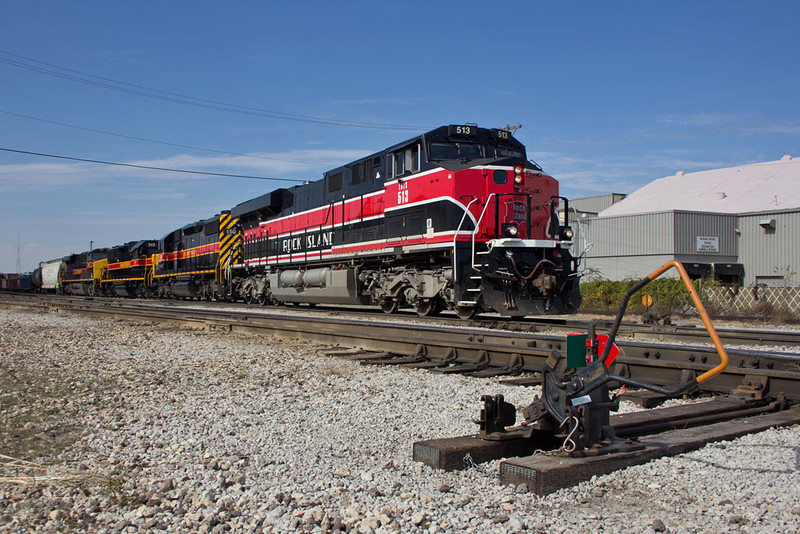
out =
column 427, row 307
column 466, row 312
column 390, row 305
column 248, row 297
column 262, row 299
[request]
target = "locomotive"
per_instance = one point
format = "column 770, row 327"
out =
column 190, row 262
column 194, row 261
column 456, row 219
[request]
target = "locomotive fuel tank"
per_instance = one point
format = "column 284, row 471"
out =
column 323, row 286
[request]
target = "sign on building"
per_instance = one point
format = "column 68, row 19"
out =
column 707, row 244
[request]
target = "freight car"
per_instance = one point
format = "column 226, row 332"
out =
column 16, row 282
column 51, row 275
column 456, row 218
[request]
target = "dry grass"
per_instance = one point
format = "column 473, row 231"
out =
column 24, row 473
column 33, row 418
column 335, row 369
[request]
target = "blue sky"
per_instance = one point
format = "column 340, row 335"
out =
column 610, row 94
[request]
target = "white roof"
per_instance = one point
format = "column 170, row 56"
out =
column 773, row 185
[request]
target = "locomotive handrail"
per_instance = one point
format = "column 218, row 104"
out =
column 478, row 224
column 455, row 238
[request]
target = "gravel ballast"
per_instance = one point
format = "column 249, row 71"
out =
column 153, row 428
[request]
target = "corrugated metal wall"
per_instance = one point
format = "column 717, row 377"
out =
column 766, row 243
column 631, row 235
column 770, row 254
column 631, row 246
column 625, row 267
column 689, row 226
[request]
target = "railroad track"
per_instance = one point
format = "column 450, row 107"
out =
column 560, row 325
column 457, row 348
column 768, row 383
column 649, row 332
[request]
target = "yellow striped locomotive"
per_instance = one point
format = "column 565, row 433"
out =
column 195, row 261
column 456, row 218
column 129, row 269
column 191, row 262
column 82, row 273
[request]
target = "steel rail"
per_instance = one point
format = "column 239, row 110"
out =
column 534, row 325
column 673, row 333
column 459, row 346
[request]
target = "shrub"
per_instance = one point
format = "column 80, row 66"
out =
column 669, row 295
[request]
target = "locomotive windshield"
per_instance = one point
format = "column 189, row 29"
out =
column 477, row 146
column 456, row 150
column 468, row 151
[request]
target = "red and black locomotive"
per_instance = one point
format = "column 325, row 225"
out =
column 456, row 218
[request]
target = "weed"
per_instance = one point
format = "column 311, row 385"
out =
column 121, row 496
column 334, row 369
column 33, row 422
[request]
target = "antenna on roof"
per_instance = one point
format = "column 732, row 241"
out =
column 514, row 128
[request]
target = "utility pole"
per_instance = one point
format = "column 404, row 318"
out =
column 19, row 255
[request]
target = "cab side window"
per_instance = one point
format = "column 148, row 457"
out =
column 404, row 161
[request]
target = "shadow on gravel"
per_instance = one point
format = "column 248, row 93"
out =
column 753, row 458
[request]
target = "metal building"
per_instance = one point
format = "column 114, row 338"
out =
column 738, row 225
column 588, row 207
column 769, row 246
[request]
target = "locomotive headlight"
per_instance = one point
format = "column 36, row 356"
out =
column 566, row 233
column 510, row 230
column 518, row 174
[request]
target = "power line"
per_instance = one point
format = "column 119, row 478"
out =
column 700, row 132
column 147, row 92
column 101, row 162
column 124, row 136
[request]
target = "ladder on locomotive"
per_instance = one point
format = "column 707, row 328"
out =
column 475, row 272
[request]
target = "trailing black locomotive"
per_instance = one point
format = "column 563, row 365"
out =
column 457, row 218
